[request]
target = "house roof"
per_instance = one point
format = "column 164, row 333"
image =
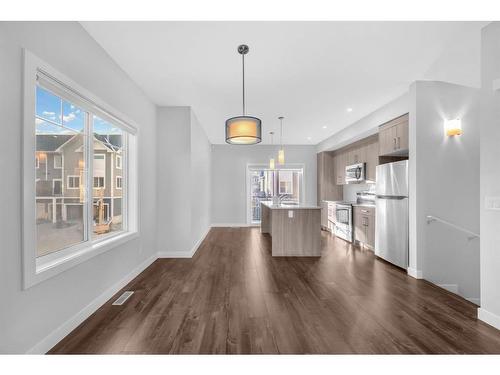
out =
column 51, row 142
column 112, row 141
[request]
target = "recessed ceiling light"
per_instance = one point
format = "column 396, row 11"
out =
column 309, row 138
column 324, row 126
column 349, row 109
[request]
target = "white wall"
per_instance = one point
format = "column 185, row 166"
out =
column 490, row 176
column 459, row 62
column 201, row 174
column 229, row 165
column 183, row 169
column 444, row 182
column 173, row 142
column 367, row 126
column 28, row 317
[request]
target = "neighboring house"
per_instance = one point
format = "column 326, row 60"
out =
column 59, row 176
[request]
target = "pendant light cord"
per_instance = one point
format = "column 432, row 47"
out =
column 243, row 63
column 281, row 133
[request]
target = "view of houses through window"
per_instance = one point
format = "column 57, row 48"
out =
column 265, row 183
column 62, row 208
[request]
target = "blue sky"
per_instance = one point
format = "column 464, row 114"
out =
column 59, row 112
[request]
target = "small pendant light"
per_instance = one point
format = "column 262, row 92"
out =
column 271, row 160
column 281, row 152
column 243, row 130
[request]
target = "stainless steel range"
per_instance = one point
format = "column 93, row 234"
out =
column 343, row 224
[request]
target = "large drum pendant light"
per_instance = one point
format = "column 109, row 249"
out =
column 281, row 152
column 243, row 130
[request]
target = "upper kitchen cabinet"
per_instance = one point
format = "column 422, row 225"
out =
column 327, row 187
column 340, row 159
column 393, row 137
column 356, row 154
column 363, row 151
column 372, row 159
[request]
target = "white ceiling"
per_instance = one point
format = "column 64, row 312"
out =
column 309, row 72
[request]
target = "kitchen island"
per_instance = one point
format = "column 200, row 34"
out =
column 295, row 229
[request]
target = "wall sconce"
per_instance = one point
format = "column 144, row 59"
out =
column 453, row 127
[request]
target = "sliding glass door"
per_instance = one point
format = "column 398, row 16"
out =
column 264, row 183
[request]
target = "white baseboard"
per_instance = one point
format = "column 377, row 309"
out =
column 184, row 254
column 63, row 330
column 488, row 317
column 416, row 274
column 233, row 225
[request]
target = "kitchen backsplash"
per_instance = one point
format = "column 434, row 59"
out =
column 350, row 190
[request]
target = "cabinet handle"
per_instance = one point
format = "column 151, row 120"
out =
column 399, row 142
column 394, row 143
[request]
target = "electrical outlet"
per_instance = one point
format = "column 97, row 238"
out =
column 290, row 214
column 492, row 203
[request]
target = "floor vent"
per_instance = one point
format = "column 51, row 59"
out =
column 123, row 298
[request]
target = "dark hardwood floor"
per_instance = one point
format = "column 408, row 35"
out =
column 233, row 297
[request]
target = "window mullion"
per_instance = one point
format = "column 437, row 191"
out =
column 124, row 187
column 89, row 150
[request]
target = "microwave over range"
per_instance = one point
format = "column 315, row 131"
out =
column 355, row 173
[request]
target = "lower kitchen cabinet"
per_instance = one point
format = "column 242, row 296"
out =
column 364, row 225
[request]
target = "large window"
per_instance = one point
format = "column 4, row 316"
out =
column 78, row 207
column 265, row 183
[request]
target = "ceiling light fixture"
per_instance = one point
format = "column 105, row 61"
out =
column 243, row 130
column 324, row 126
column 271, row 160
column 349, row 109
column 281, row 152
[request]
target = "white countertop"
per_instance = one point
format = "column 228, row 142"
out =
column 291, row 206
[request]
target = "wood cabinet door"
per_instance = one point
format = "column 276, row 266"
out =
column 360, row 154
column 370, row 231
column 371, row 161
column 319, row 177
column 402, row 135
column 340, row 168
column 386, row 141
column 359, row 228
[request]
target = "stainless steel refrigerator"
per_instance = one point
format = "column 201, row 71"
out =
column 391, row 220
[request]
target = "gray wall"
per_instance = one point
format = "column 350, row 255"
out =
column 27, row 317
column 444, row 182
column 229, row 165
column 183, row 169
column 490, row 176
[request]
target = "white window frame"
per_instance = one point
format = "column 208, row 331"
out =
column 103, row 187
column 118, row 165
column 54, row 185
column 103, row 182
column 72, row 187
column 121, row 182
column 36, row 270
column 61, row 157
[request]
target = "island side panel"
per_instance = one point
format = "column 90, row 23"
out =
column 265, row 219
column 297, row 236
